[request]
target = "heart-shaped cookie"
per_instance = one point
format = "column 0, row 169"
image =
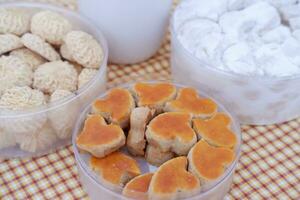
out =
column 98, row 138
column 138, row 187
column 208, row 162
column 116, row 107
column 154, row 95
column 115, row 170
column 172, row 132
column 173, row 181
column 189, row 101
column 216, row 131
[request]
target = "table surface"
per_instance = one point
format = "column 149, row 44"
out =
column 269, row 167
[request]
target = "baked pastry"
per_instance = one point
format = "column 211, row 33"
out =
column 172, row 132
column 154, row 95
column 139, row 118
column 115, row 170
column 216, row 131
column 189, row 101
column 98, row 138
column 207, row 162
column 138, row 187
column 173, row 181
column 156, row 157
column 116, row 107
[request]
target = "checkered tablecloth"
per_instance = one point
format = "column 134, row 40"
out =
column 269, row 167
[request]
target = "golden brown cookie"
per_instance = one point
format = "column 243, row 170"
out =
column 172, row 132
column 98, row 138
column 115, row 170
column 216, row 131
column 138, row 187
column 115, row 107
column 189, row 101
column 208, row 162
column 173, row 181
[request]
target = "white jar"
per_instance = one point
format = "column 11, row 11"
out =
column 134, row 28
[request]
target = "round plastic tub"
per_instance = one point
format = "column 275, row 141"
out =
column 66, row 110
column 254, row 99
column 96, row 190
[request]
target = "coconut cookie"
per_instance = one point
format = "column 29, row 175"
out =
column 84, row 49
column 9, row 42
column 216, row 131
column 173, row 181
column 100, row 139
column 32, row 59
column 155, row 156
column 154, row 95
column 50, row 26
column 172, row 132
column 138, row 187
column 15, row 21
column 40, row 46
column 115, row 170
column 55, row 75
column 207, row 162
column 139, row 119
column 85, row 76
column 115, row 107
column 189, row 101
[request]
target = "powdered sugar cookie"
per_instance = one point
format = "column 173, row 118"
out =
column 55, row 75
column 50, row 26
column 85, row 76
column 40, row 46
column 65, row 53
column 9, row 42
column 32, row 59
column 14, row 72
column 14, row 21
column 84, row 49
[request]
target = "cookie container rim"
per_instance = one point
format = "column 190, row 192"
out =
column 89, row 174
column 78, row 93
column 203, row 64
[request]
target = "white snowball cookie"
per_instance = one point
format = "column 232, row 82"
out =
column 19, row 99
column 55, row 75
column 63, row 117
column 14, row 72
column 32, row 59
column 9, row 42
column 86, row 76
column 15, row 21
column 84, row 49
column 40, row 46
column 50, row 26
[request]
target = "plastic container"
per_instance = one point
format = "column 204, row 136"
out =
column 37, row 121
column 134, row 28
column 255, row 100
column 96, row 190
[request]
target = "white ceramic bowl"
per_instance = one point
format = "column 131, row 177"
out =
column 96, row 190
column 66, row 110
column 254, row 99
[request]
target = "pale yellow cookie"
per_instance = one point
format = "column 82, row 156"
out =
column 85, row 76
column 55, row 75
column 9, row 42
column 40, row 46
column 32, row 59
column 65, row 53
column 50, row 26
column 84, row 49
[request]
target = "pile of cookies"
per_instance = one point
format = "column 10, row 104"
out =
column 175, row 129
column 43, row 59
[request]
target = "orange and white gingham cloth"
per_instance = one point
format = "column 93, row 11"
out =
column 269, row 167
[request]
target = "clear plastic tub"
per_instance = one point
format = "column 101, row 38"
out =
column 96, row 190
column 254, row 99
column 34, row 128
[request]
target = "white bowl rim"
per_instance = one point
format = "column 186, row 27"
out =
column 208, row 66
column 84, row 167
column 51, row 106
